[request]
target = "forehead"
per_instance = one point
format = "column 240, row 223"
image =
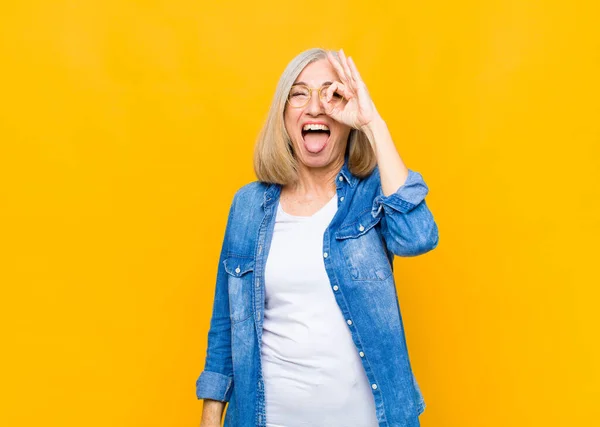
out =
column 316, row 73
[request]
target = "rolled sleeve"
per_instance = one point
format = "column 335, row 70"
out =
column 407, row 224
column 215, row 386
column 405, row 199
column 216, row 379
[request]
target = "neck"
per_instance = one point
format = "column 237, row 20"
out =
column 316, row 182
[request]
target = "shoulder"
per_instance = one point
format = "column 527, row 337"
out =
column 250, row 192
column 249, row 197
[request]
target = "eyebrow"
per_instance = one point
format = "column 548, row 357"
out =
column 302, row 83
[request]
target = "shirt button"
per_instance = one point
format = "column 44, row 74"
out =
column 374, row 386
column 335, row 287
column 237, row 270
column 341, row 178
column 361, row 354
column 349, row 321
column 361, row 228
column 325, row 255
column 342, row 199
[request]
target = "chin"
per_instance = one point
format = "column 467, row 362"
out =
column 316, row 163
column 319, row 160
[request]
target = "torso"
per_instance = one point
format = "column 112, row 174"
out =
column 312, row 371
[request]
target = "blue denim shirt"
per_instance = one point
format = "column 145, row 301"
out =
column 359, row 245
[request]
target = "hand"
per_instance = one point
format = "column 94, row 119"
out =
column 357, row 110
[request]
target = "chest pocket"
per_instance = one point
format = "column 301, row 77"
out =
column 363, row 248
column 239, row 278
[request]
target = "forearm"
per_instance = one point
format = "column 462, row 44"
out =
column 212, row 412
column 392, row 170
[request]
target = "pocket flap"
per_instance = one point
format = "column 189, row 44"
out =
column 238, row 266
column 357, row 226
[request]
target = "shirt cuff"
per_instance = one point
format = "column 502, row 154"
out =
column 215, row 386
column 409, row 195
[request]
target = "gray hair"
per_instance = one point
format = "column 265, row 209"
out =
column 274, row 161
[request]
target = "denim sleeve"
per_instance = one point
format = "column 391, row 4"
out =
column 216, row 380
column 407, row 224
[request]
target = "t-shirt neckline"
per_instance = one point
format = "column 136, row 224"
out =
column 304, row 217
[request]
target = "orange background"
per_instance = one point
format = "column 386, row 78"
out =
column 126, row 127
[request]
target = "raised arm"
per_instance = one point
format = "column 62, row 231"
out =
column 407, row 224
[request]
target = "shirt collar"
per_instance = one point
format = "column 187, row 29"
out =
column 273, row 190
column 348, row 176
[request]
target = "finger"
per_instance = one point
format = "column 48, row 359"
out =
column 338, row 68
column 331, row 58
column 331, row 90
column 354, row 70
column 346, row 67
column 334, row 62
column 339, row 88
column 332, row 110
column 333, row 113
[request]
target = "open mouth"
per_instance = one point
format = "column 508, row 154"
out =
column 315, row 132
column 315, row 137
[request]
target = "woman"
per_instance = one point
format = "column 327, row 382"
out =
column 306, row 327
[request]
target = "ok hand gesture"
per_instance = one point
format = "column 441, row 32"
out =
column 357, row 110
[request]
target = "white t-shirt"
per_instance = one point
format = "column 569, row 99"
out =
column 312, row 370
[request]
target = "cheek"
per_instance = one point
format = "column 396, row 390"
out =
column 289, row 122
column 343, row 133
column 291, row 126
column 291, row 115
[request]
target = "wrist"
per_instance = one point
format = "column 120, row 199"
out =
column 373, row 128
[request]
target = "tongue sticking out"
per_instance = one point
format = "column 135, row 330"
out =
column 315, row 141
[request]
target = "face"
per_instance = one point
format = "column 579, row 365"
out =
column 324, row 143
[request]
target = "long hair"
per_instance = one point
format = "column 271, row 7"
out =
column 274, row 161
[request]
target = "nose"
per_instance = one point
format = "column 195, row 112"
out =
column 314, row 107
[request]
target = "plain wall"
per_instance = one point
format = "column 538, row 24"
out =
column 127, row 126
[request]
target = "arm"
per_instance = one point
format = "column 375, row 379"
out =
column 407, row 224
column 215, row 383
column 212, row 413
column 392, row 170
